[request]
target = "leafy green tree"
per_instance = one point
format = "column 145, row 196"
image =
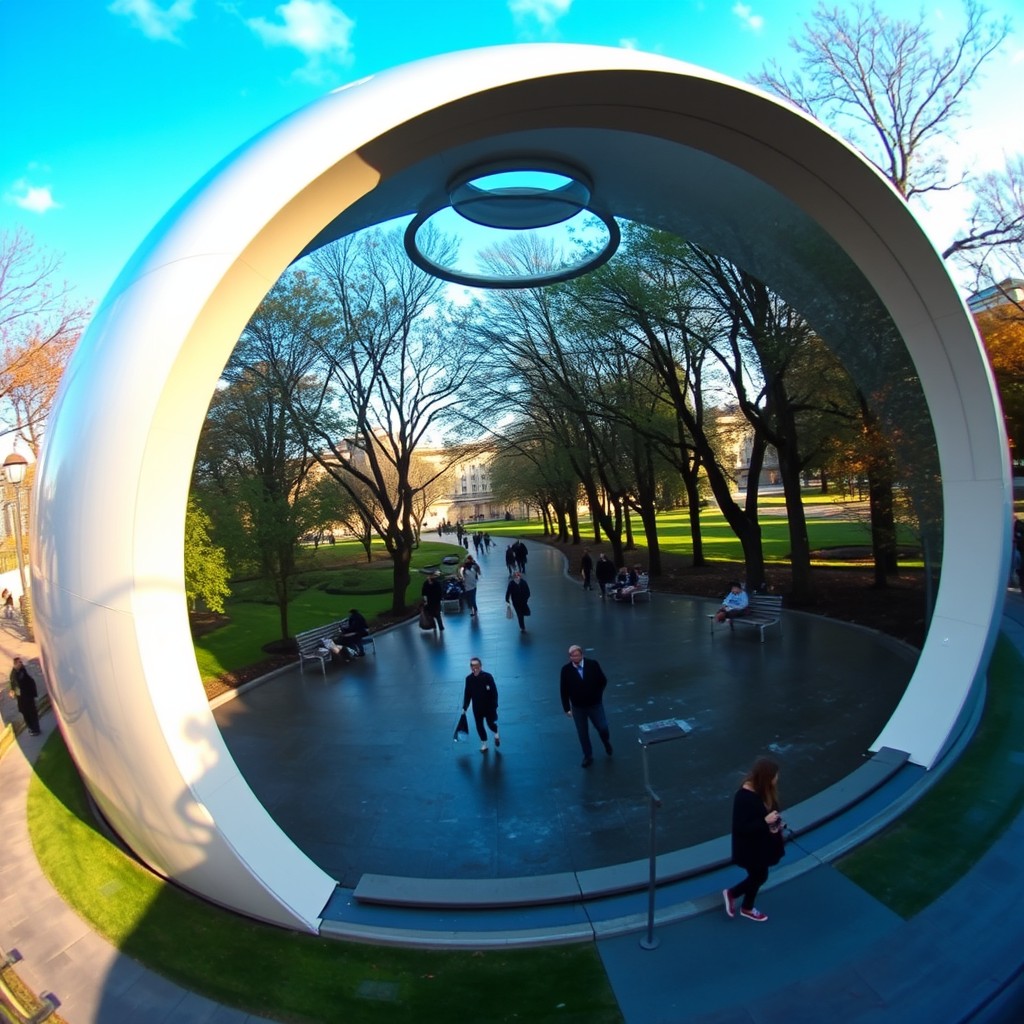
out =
column 206, row 566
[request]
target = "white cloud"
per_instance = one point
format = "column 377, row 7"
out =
column 316, row 28
column 748, row 19
column 547, row 12
column 34, row 198
column 154, row 21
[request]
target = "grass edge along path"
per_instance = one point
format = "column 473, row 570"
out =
column 287, row 975
column 914, row 861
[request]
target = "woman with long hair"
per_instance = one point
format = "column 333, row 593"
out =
column 756, row 836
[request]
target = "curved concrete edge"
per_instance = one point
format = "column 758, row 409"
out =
column 380, row 935
column 596, row 883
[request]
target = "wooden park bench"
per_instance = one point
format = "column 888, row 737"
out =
column 311, row 644
column 764, row 610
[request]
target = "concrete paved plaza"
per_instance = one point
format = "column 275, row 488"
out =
column 361, row 771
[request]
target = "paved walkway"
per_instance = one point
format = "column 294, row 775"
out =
column 829, row 952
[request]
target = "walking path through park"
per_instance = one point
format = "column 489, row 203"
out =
column 829, row 951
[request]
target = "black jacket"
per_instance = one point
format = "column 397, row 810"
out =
column 585, row 692
column 482, row 691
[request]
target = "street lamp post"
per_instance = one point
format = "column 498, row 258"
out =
column 14, row 468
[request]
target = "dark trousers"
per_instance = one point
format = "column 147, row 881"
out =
column 490, row 717
column 582, row 717
column 469, row 599
column 29, row 711
column 520, row 616
column 586, row 579
column 756, row 877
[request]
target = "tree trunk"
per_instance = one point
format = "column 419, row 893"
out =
column 799, row 544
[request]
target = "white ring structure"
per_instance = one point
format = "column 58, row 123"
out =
column 111, row 486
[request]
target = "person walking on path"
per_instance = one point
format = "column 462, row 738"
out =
column 605, row 572
column 510, row 560
column 757, row 842
column 582, row 684
column 586, row 569
column 469, row 573
column 23, row 688
column 433, row 594
column 517, row 594
column 483, row 694
column 521, row 554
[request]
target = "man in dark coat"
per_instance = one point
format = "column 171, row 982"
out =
column 605, row 573
column 23, row 687
column 521, row 553
column 481, row 690
column 517, row 594
column 433, row 595
column 586, row 569
column 582, row 683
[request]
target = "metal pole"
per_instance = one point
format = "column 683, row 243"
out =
column 26, row 601
column 650, row 941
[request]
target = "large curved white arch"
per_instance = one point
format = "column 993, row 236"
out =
column 112, row 483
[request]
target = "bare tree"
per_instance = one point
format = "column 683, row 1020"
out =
column 392, row 368
column 39, row 326
column 995, row 227
column 882, row 83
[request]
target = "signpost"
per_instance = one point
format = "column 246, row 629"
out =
column 648, row 735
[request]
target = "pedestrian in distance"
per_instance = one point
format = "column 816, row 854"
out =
column 517, row 594
column 8, row 601
column 582, row 684
column 433, row 595
column 757, row 840
column 24, row 690
column 521, row 553
column 586, row 569
column 469, row 573
column 510, row 559
column 482, row 693
column 605, row 572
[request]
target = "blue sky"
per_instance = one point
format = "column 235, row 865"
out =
column 114, row 108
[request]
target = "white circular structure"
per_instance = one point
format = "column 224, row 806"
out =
column 662, row 143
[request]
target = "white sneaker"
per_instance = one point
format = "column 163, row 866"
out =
column 483, row 748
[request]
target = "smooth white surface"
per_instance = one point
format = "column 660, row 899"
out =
column 113, row 480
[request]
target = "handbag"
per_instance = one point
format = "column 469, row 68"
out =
column 461, row 726
column 776, row 845
column 426, row 619
column 508, row 611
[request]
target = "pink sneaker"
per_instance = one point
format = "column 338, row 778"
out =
column 753, row 915
column 730, row 909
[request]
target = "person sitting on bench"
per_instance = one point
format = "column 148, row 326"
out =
column 627, row 583
column 354, row 632
column 734, row 604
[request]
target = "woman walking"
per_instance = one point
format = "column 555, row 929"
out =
column 756, row 836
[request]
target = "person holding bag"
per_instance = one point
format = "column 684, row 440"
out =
column 482, row 692
column 757, row 841
column 517, row 595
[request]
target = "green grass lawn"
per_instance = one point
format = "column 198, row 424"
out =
column 335, row 578
column 943, row 835
column 291, row 977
